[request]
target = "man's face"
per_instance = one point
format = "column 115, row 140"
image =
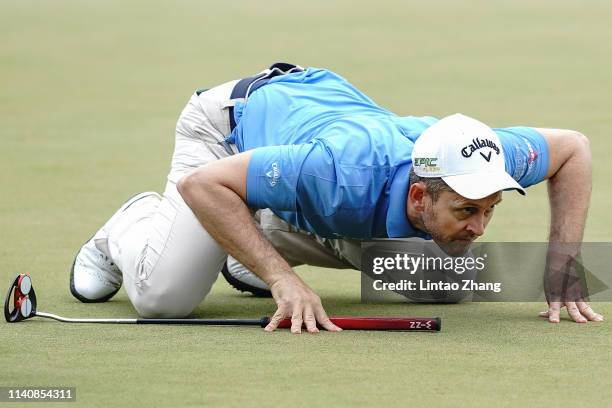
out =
column 454, row 222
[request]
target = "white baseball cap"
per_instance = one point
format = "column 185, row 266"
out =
column 466, row 154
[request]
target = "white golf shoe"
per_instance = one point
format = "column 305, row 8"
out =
column 94, row 277
column 243, row 279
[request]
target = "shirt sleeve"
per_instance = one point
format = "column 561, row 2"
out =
column 273, row 174
column 525, row 154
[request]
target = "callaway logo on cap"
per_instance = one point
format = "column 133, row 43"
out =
column 467, row 154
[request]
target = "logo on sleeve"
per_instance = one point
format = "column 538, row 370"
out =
column 478, row 144
column 533, row 155
column 273, row 174
column 520, row 164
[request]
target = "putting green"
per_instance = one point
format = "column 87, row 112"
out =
column 90, row 95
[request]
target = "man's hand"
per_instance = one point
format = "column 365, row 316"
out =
column 569, row 192
column 565, row 285
column 580, row 312
column 296, row 300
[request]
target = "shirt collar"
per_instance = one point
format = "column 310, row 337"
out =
column 398, row 225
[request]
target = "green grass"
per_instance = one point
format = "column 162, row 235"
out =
column 89, row 98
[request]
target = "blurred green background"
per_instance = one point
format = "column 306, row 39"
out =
column 89, row 97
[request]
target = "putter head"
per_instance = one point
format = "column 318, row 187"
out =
column 24, row 299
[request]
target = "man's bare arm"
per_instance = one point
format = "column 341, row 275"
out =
column 216, row 193
column 569, row 191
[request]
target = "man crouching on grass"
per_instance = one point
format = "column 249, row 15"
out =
column 327, row 167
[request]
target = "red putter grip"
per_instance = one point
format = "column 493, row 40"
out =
column 380, row 323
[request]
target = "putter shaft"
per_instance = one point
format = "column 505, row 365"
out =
column 210, row 322
column 344, row 322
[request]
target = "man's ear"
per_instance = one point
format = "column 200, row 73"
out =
column 417, row 195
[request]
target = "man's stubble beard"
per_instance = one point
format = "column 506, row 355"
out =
column 447, row 244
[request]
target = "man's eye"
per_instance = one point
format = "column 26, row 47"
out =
column 468, row 210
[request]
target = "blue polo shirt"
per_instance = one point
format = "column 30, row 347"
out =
column 329, row 160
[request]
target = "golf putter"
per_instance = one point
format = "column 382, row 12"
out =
column 24, row 307
column 24, row 299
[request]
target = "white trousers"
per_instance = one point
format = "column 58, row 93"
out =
column 168, row 260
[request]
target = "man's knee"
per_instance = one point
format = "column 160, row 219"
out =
column 164, row 304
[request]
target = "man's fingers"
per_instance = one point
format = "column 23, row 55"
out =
column 574, row 313
column 310, row 321
column 296, row 299
column 554, row 309
column 588, row 312
column 324, row 321
column 275, row 320
column 296, row 320
column 580, row 312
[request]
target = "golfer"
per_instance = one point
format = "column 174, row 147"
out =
column 328, row 167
